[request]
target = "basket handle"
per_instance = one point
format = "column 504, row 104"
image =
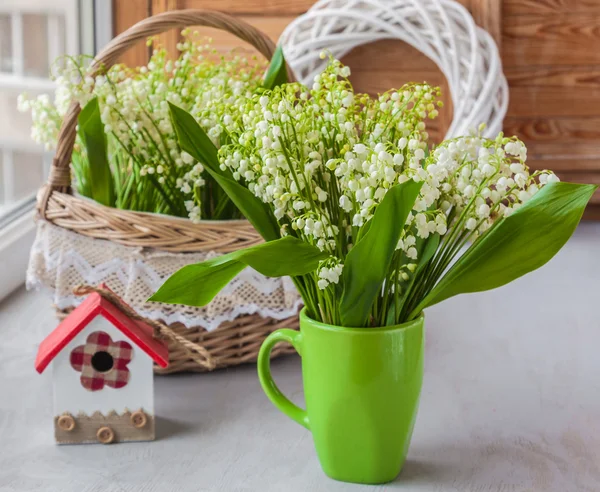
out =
column 59, row 178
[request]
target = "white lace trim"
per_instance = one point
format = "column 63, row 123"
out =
column 61, row 259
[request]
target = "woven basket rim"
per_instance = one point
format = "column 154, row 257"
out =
column 146, row 230
column 137, row 213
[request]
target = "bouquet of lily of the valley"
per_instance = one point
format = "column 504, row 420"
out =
column 371, row 224
column 126, row 154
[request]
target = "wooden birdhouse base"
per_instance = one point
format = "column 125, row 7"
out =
column 98, row 428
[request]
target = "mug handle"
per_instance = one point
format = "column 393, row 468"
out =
column 294, row 338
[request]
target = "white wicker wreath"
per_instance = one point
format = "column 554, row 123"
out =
column 443, row 30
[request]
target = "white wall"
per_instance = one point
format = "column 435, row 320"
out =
column 70, row 396
column 32, row 34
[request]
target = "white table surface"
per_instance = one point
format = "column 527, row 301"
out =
column 510, row 402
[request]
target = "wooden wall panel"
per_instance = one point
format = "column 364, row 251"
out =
column 488, row 14
column 582, row 77
column 169, row 39
column 568, row 146
column 272, row 26
column 516, row 7
column 547, row 102
column 556, row 149
column 125, row 14
column 567, row 130
column 253, row 7
column 553, row 69
column 566, row 165
column 554, row 39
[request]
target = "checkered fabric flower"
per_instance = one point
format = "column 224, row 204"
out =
column 102, row 362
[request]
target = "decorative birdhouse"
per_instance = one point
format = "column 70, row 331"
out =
column 102, row 374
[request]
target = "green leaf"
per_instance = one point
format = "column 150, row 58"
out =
column 277, row 72
column 196, row 142
column 431, row 246
column 368, row 262
column 517, row 244
column 92, row 134
column 197, row 285
column 425, row 250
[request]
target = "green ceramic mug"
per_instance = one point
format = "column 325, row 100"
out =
column 361, row 387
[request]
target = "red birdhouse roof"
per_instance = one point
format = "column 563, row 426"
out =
column 138, row 332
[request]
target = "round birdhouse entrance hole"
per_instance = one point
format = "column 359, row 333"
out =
column 102, row 361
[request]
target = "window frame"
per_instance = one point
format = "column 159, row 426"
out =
column 17, row 223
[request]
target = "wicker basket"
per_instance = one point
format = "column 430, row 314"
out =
column 233, row 342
